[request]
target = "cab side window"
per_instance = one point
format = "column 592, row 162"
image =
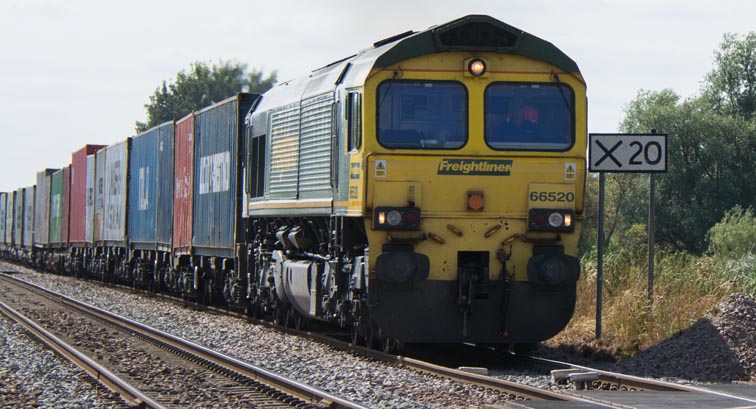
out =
column 354, row 118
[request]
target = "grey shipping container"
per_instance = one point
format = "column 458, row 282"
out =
column 217, row 187
column 9, row 219
column 165, row 186
column 99, row 205
column 115, row 193
column 3, row 202
column 90, row 204
column 42, row 208
column 28, row 234
column 18, row 218
column 143, row 175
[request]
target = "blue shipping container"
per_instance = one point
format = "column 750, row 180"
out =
column 143, row 174
column 217, row 179
column 165, row 186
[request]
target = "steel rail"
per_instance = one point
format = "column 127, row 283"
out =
column 304, row 392
column 631, row 381
column 128, row 393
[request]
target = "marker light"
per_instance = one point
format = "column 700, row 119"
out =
column 476, row 67
column 475, row 201
column 559, row 220
column 396, row 218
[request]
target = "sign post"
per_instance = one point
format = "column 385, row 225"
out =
column 625, row 153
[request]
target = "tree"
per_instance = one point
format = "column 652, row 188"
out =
column 202, row 86
column 711, row 163
column 731, row 85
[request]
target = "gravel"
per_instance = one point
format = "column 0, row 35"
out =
column 720, row 347
column 34, row 377
column 362, row 380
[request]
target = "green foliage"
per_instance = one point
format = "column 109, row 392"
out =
column 735, row 235
column 731, row 86
column 711, row 152
column 711, row 163
column 201, row 86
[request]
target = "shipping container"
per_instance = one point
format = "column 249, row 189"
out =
column 28, row 234
column 65, row 215
column 165, row 186
column 3, row 203
column 78, row 194
column 11, row 204
column 18, row 218
column 90, row 206
column 56, row 208
column 217, row 181
column 99, row 205
column 143, row 173
column 42, row 204
column 115, row 193
column 183, row 180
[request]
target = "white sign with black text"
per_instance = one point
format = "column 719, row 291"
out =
column 637, row 153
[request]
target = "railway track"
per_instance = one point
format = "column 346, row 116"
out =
column 586, row 387
column 142, row 354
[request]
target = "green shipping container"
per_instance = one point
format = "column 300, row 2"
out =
column 56, row 207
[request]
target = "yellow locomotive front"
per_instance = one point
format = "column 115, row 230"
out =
column 470, row 176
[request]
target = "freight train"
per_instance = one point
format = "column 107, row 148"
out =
column 428, row 189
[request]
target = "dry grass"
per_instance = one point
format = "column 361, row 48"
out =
column 685, row 288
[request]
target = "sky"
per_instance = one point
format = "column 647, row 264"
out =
column 76, row 72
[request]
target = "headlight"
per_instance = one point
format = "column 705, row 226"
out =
column 394, row 218
column 556, row 219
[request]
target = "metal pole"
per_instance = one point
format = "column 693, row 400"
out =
column 600, row 261
column 651, row 238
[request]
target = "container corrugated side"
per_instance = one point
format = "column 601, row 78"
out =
column 3, row 203
column 90, row 204
column 116, row 188
column 28, row 234
column 65, row 216
column 165, row 186
column 99, row 205
column 217, row 182
column 143, row 175
column 78, row 194
column 56, row 207
column 99, row 209
column 183, row 179
column 18, row 218
column 42, row 208
column 9, row 219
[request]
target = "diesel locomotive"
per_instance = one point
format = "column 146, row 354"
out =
column 428, row 189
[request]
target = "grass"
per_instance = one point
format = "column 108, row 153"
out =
column 686, row 287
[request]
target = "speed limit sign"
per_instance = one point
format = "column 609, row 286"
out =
column 639, row 153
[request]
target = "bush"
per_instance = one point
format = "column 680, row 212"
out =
column 735, row 235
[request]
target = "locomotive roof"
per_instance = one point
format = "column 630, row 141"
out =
column 469, row 33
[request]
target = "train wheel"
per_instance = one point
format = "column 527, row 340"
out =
column 207, row 293
column 368, row 336
column 389, row 345
column 300, row 321
column 355, row 337
column 279, row 316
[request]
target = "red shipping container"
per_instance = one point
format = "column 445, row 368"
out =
column 78, row 206
column 66, row 205
column 183, row 185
